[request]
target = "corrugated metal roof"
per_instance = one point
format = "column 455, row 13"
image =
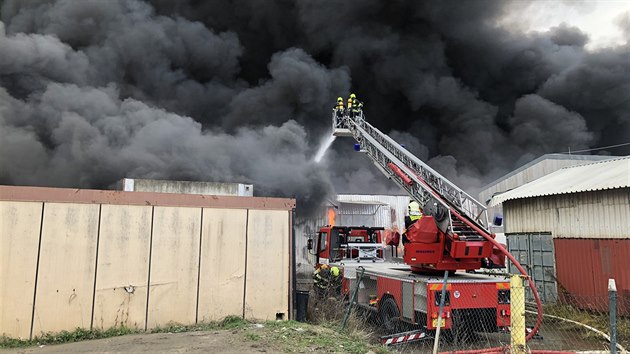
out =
column 608, row 174
column 542, row 158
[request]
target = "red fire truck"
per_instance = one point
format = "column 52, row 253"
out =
column 399, row 296
column 452, row 237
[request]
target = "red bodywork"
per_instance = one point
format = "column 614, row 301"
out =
column 430, row 249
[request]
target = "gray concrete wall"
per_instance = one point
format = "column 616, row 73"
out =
column 186, row 187
column 100, row 259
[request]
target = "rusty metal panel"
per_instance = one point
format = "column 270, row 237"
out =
column 123, row 266
column 65, row 280
column 174, row 266
column 583, row 267
column 19, row 244
column 222, row 264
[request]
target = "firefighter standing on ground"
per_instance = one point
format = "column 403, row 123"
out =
column 327, row 280
column 414, row 214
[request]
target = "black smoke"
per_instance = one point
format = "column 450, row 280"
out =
column 93, row 91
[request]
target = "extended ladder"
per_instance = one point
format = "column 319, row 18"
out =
column 438, row 196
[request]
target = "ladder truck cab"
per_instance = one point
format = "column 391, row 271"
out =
column 337, row 244
column 452, row 235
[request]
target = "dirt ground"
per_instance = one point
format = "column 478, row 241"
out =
column 270, row 337
column 190, row 342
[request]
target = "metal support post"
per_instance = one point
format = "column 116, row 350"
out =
column 612, row 298
column 439, row 320
column 517, row 304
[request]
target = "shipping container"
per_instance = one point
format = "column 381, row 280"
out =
column 535, row 252
column 583, row 267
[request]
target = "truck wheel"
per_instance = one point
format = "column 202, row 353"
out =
column 390, row 316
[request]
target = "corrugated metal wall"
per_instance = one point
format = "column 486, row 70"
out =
column 97, row 259
column 306, row 227
column 534, row 251
column 598, row 214
column 583, row 268
column 370, row 210
column 549, row 163
column 393, row 214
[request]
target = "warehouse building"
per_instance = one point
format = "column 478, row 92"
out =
column 571, row 229
column 529, row 172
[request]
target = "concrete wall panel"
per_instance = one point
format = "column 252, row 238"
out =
column 65, row 282
column 222, row 279
column 267, row 276
column 123, row 267
column 19, row 237
column 174, row 266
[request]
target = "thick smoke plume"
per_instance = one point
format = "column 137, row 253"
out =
column 93, row 91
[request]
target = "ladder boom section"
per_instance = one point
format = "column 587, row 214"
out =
column 430, row 188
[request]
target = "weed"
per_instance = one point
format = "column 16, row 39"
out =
column 252, row 336
column 78, row 334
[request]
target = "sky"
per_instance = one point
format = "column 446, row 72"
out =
column 600, row 20
column 233, row 91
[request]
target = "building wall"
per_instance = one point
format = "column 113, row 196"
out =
column 584, row 267
column 19, row 239
column 391, row 215
column 186, row 187
column 598, row 214
column 530, row 172
column 386, row 211
column 97, row 259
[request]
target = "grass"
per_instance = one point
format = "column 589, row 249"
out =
column 291, row 336
column 598, row 320
column 285, row 336
column 80, row 334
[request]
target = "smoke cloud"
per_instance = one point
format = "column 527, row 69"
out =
column 93, row 91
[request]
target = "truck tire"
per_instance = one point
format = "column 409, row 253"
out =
column 390, row 316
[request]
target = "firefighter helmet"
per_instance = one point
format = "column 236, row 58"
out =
column 414, row 208
column 339, row 99
column 353, row 96
column 334, row 271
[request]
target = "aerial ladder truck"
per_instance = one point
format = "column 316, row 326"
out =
column 453, row 235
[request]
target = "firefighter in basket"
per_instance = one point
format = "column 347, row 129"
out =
column 414, row 214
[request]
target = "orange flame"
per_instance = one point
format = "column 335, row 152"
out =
column 331, row 216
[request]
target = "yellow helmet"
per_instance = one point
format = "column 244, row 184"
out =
column 352, row 95
column 339, row 99
column 334, row 271
column 414, row 208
